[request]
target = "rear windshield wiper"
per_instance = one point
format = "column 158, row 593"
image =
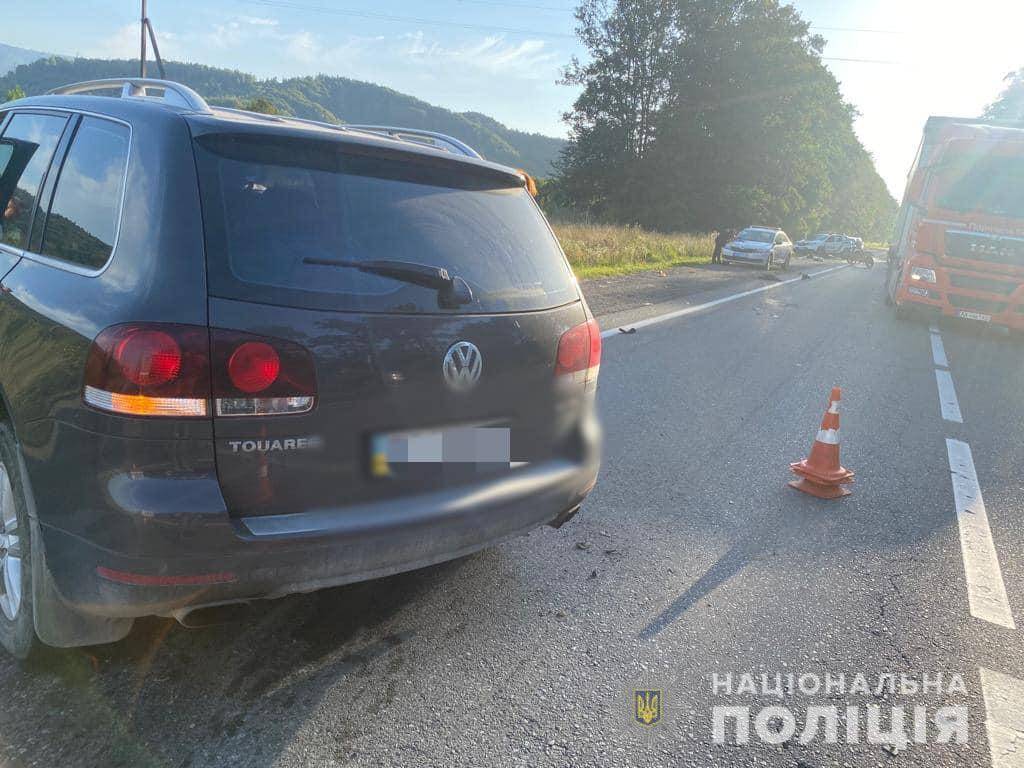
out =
column 452, row 290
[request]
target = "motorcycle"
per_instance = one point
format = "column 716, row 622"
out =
column 860, row 257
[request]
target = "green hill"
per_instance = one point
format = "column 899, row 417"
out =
column 10, row 57
column 334, row 99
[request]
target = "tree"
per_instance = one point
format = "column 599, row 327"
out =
column 262, row 105
column 15, row 93
column 612, row 123
column 748, row 127
column 1010, row 104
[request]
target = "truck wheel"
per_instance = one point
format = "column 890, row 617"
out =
column 17, row 632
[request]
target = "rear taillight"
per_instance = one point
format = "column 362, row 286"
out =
column 158, row 369
column 257, row 376
column 579, row 354
column 149, row 370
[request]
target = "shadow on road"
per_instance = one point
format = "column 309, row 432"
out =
column 727, row 566
column 169, row 696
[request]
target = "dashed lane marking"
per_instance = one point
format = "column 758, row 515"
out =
column 939, row 351
column 986, row 592
column 947, row 397
column 1004, row 718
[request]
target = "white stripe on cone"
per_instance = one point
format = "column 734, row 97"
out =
column 828, row 436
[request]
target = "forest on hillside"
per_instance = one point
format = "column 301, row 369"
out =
column 333, row 99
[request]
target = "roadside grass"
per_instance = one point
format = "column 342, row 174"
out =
column 602, row 250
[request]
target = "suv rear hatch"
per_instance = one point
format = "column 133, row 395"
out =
column 313, row 246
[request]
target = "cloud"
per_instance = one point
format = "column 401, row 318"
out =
column 121, row 44
column 257, row 21
column 511, row 79
column 491, row 55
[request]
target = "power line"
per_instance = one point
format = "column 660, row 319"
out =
column 405, row 19
column 859, row 29
column 860, row 61
column 288, row 5
column 525, row 6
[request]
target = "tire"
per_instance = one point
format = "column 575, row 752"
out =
column 785, row 264
column 769, row 261
column 869, row 260
column 17, row 631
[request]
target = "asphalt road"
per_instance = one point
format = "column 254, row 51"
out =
column 691, row 560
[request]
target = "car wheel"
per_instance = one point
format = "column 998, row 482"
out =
column 768, row 262
column 17, row 632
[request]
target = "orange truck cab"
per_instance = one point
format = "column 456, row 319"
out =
column 958, row 247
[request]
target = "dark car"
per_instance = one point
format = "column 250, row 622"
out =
column 246, row 356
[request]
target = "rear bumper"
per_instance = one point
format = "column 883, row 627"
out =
column 238, row 559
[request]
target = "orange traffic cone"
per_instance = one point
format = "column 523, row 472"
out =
column 821, row 474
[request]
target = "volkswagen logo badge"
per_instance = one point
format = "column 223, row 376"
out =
column 462, row 366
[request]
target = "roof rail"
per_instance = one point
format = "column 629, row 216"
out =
column 279, row 118
column 417, row 135
column 137, row 87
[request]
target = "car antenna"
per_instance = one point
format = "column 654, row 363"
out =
column 147, row 27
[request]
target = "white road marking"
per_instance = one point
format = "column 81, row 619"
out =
column 986, row 592
column 939, row 351
column 708, row 305
column 947, row 397
column 1004, row 711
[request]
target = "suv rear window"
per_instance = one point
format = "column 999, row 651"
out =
column 270, row 203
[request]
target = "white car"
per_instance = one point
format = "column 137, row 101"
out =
column 812, row 244
column 764, row 246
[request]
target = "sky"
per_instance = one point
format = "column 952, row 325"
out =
column 504, row 57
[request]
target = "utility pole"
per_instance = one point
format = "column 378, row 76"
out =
column 144, row 22
column 146, row 28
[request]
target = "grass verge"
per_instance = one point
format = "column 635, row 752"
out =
column 601, row 250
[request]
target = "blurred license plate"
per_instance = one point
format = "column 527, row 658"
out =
column 975, row 316
column 424, row 452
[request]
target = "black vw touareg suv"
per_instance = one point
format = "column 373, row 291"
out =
column 244, row 356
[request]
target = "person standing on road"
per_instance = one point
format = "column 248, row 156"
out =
column 721, row 238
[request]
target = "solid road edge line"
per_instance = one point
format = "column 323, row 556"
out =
column 708, row 305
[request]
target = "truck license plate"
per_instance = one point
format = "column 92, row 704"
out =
column 975, row 316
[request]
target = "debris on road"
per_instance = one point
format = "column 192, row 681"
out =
column 804, row 276
column 582, row 545
column 627, row 330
